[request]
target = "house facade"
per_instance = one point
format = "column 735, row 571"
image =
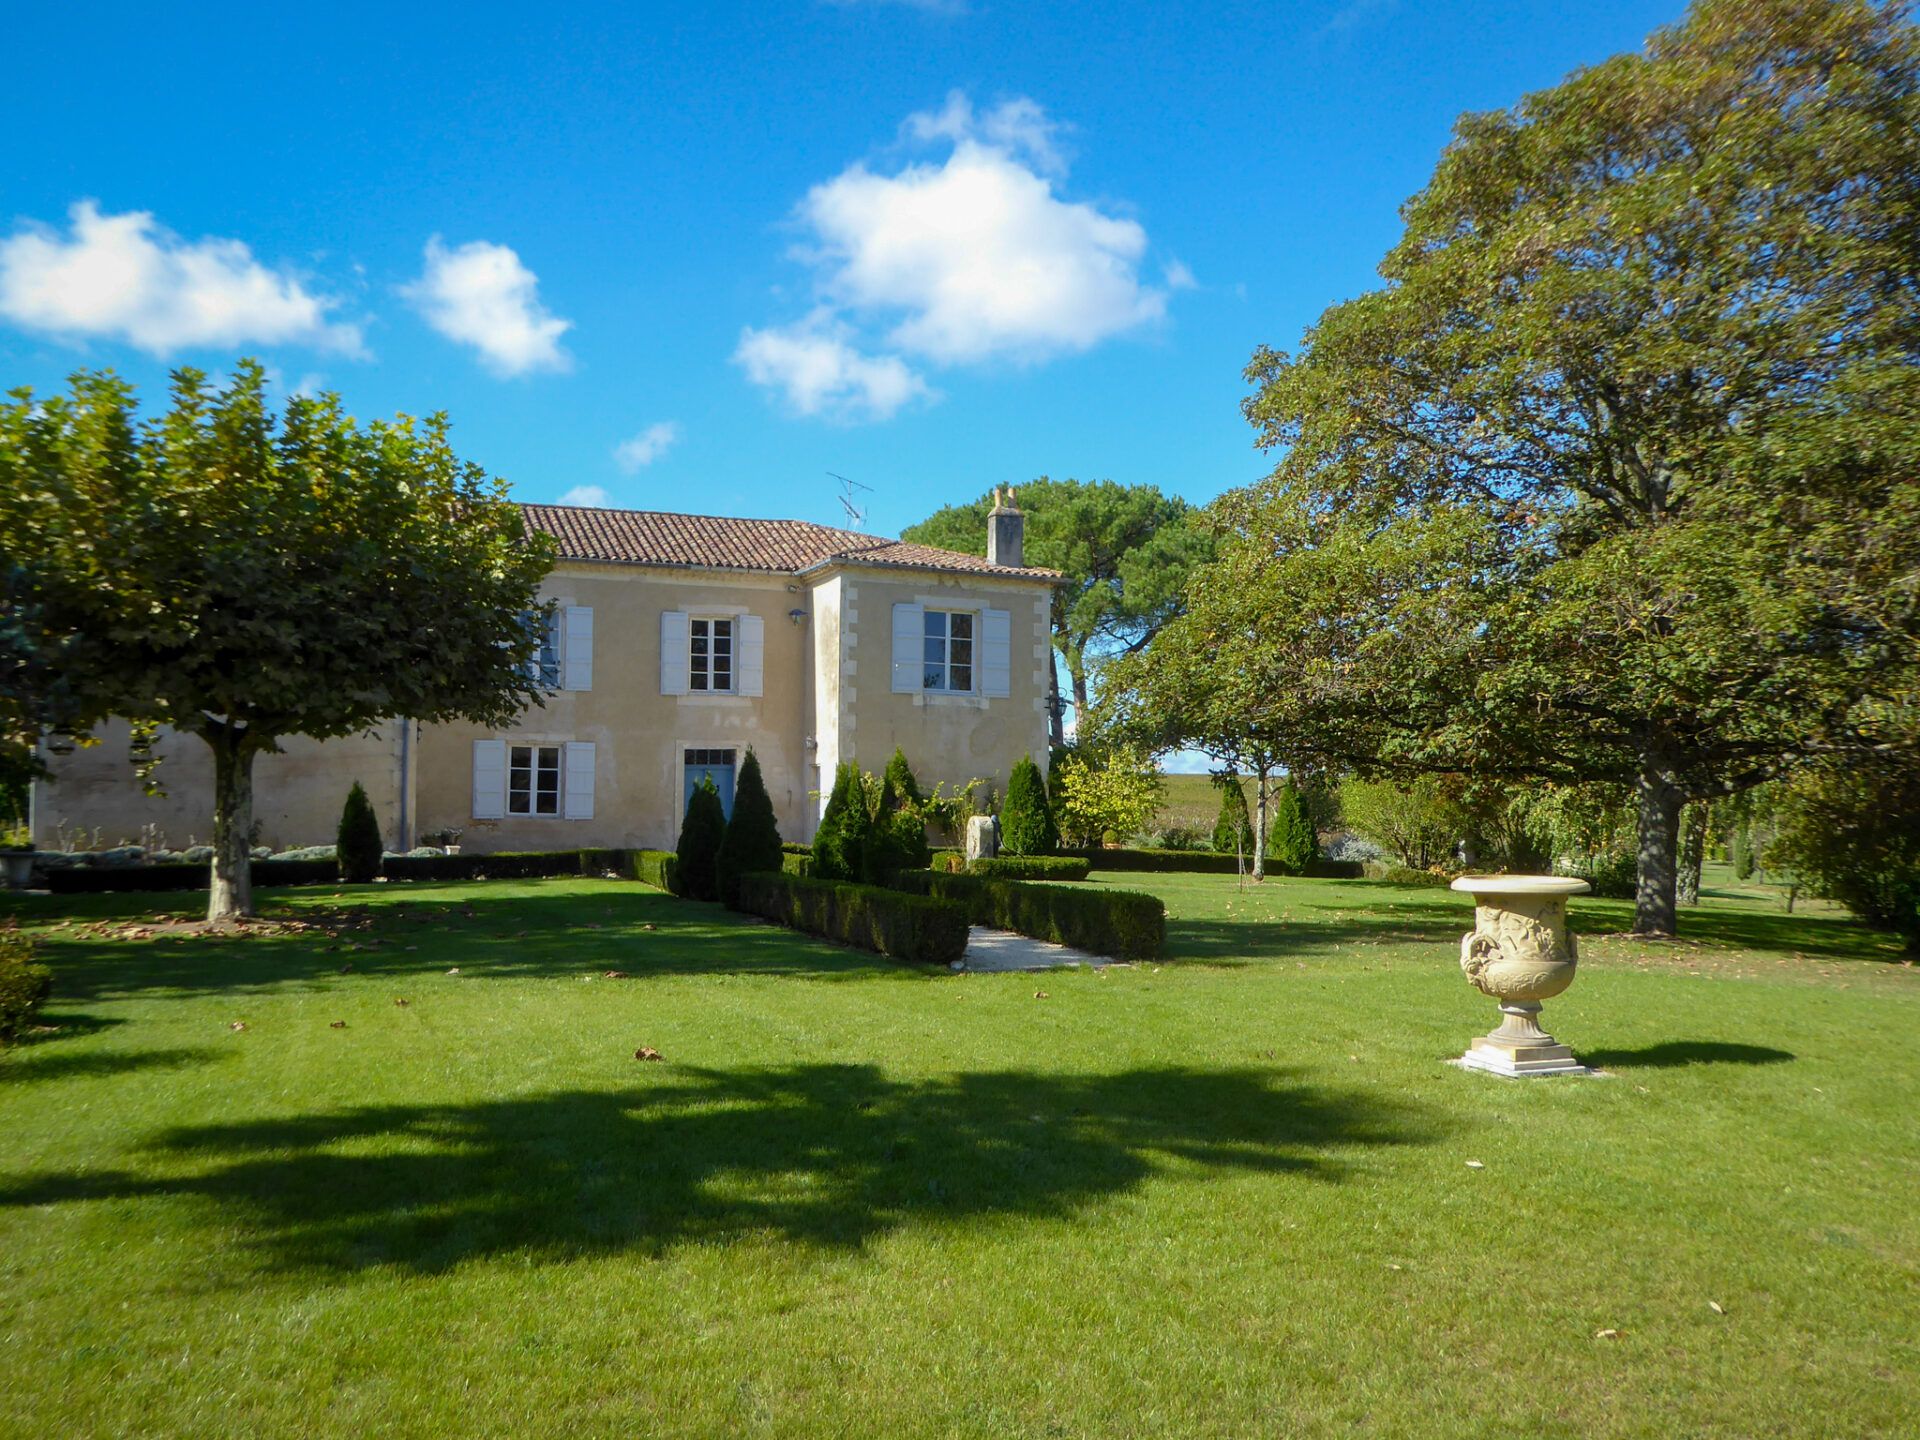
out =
column 676, row 643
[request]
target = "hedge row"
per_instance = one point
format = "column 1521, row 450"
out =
column 1124, row 924
column 890, row 922
column 1206, row 862
column 1031, row 867
column 658, row 868
column 269, row 874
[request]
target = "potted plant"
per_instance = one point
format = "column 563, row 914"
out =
column 16, row 856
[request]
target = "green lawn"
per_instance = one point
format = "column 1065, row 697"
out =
column 1225, row 1195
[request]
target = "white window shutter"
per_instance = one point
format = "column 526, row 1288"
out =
column 675, row 652
column 909, row 648
column 576, row 655
column 489, row 779
column 576, row 776
column 750, row 662
column 996, row 653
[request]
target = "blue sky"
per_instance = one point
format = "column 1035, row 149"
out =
column 695, row 257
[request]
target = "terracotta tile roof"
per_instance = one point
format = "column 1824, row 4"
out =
column 659, row 537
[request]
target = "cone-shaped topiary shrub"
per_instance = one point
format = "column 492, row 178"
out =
column 752, row 841
column 1291, row 843
column 357, row 846
column 1743, row 866
column 701, row 832
column 840, row 844
column 899, row 779
column 1233, row 831
column 1026, row 820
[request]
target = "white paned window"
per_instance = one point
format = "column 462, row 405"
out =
column 947, row 651
column 710, row 653
column 533, row 780
column 545, row 667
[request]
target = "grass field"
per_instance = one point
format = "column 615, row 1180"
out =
column 1227, row 1195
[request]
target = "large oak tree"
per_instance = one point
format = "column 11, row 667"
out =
column 243, row 577
column 1645, row 377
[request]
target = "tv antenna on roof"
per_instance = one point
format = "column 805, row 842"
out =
column 856, row 514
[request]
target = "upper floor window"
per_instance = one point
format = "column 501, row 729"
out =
column 948, row 651
column 545, row 667
column 711, row 662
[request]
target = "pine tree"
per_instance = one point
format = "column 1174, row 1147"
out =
column 1233, row 831
column 1291, row 843
column 752, row 841
column 1743, row 866
column 701, row 833
column 357, row 846
column 1027, row 825
column 840, row 844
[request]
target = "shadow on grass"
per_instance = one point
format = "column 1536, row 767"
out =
column 1669, row 1054
column 826, row 1155
column 26, row 1067
column 527, row 932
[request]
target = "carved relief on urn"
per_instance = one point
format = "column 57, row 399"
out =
column 1520, row 953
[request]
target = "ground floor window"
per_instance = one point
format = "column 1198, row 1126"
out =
column 533, row 780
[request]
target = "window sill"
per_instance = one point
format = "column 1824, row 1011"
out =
column 715, row 697
column 941, row 699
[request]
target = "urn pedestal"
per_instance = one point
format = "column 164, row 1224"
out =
column 1520, row 952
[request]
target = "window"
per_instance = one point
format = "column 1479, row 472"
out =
column 711, row 666
column 545, row 667
column 533, row 780
column 948, row 651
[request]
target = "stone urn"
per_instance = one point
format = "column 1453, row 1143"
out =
column 18, row 868
column 1520, row 952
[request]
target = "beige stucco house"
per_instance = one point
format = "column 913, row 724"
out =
column 678, row 642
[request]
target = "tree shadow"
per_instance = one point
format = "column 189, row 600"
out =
column 485, row 933
column 1671, row 1053
column 829, row 1155
column 26, row 1067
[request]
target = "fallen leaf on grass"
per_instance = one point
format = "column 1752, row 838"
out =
column 649, row 927
column 237, row 1025
column 1040, row 995
column 1606, row 1334
column 454, row 971
column 399, row 1001
column 338, row 1025
column 1714, row 1305
column 1475, row 1165
column 647, row 1052
column 614, row 975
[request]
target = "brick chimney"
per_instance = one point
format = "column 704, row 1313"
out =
column 1006, row 532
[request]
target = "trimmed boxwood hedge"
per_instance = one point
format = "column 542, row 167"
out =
column 890, row 922
column 267, row 874
column 1124, row 924
column 658, row 868
column 1204, row 862
column 1031, row 867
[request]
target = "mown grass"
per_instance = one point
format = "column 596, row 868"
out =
column 1224, row 1195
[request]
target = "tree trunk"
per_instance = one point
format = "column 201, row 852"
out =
column 1077, row 673
column 1056, row 712
column 1693, row 851
column 1659, row 802
column 230, row 893
column 1260, row 823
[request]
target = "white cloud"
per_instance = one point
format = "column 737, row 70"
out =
column 584, row 495
column 648, row 446
column 1179, row 276
column 970, row 259
column 481, row 295
column 126, row 277
column 822, row 373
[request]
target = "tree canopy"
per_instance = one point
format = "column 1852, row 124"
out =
column 242, row 576
column 1126, row 551
column 1617, row 477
